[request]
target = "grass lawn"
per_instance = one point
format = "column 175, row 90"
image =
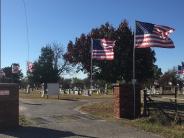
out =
column 103, row 110
column 155, row 123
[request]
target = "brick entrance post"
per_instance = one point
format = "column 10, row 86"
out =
column 9, row 105
column 124, row 101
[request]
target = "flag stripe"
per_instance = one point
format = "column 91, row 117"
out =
column 103, row 57
column 106, row 54
column 154, row 45
column 105, row 51
column 140, row 41
column 150, row 36
column 166, row 28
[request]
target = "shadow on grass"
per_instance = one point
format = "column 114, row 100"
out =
column 36, row 132
column 31, row 103
column 68, row 99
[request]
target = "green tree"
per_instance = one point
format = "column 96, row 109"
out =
column 66, row 83
column 50, row 65
column 12, row 77
column 79, row 83
column 78, row 53
column 170, row 76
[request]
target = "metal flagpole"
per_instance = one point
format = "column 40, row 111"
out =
column 0, row 34
column 91, row 73
column 27, row 29
column 133, row 79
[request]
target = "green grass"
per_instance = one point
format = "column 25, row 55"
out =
column 157, row 123
column 172, row 131
column 103, row 110
column 23, row 121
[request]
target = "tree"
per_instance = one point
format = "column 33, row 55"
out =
column 12, row 77
column 78, row 53
column 66, row 83
column 50, row 65
column 76, row 82
column 24, row 83
column 170, row 76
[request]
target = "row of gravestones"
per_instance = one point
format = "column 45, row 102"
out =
column 164, row 90
column 84, row 92
column 57, row 90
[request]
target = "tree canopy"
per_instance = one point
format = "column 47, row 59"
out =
column 171, row 76
column 79, row 54
column 49, row 66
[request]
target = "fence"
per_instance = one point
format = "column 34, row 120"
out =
column 171, row 104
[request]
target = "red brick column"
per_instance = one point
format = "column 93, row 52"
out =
column 116, row 99
column 9, row 105
column 124, row 101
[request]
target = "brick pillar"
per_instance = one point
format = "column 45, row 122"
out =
column 124, row 101
column 116, row 98
column 9, row 105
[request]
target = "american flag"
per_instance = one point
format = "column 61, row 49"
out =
column 30, row 66
column 102, row 49
column 1, row 73
column 15, row 68
column 152, row 35
column 182, row 63
column 180, row 69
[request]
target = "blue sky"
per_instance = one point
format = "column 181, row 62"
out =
column 63, row 20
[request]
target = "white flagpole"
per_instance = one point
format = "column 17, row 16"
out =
column 133, row 79
column 91, row 77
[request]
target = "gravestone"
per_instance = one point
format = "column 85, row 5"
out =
column 85, row 92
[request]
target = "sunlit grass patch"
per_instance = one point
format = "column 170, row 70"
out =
column 103, row 109
column 23, row 121
column 156, row 123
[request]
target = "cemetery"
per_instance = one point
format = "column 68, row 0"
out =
column 72, row 72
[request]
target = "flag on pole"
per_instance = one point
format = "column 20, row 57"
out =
column 30, row 66
column 152, row 35
column 15, row 68
column 102, row 49
column 180, row 69
column 2, row 74
column 182, row 63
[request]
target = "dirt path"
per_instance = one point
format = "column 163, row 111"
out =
column 59, row 119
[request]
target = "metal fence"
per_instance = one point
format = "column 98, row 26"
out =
column 169, row 102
